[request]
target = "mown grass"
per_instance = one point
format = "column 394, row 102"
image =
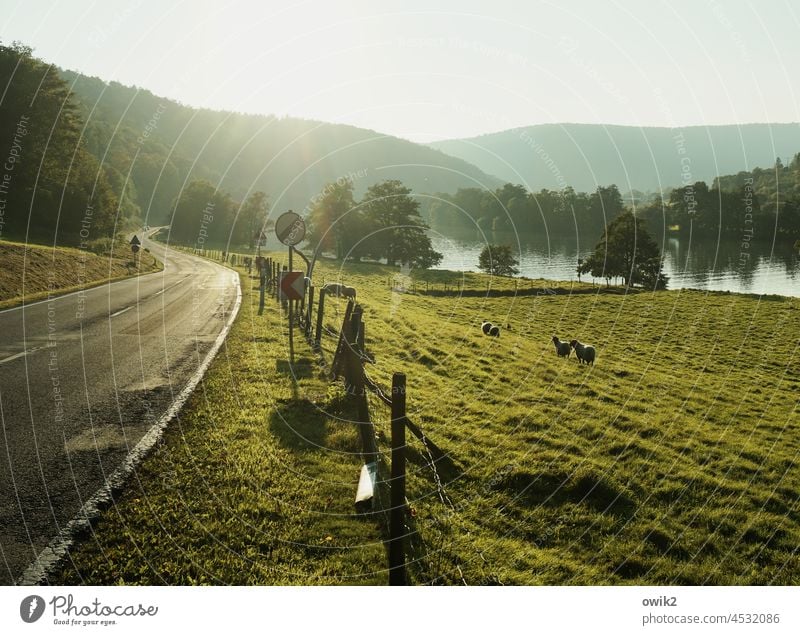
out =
column 254, row 484
column 33, row 272
column 673, row 460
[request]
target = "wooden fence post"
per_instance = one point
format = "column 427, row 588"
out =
column 262, row 288
column 397, row 525
column 310, row 309
column 341, row 345
column 300, row 306
column 320, row 313
column 354, row 381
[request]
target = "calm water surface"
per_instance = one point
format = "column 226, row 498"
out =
column 707, row 264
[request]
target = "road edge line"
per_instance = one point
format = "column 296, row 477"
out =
column 37, row 572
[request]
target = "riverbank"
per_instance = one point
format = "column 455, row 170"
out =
column 672, row 460
column 33, row 272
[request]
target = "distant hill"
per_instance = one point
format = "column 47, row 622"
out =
column 290, row 159
column 584, row 156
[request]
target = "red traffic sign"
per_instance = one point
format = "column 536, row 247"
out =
column 290, row 228
column 135, row 240
column 292, row 285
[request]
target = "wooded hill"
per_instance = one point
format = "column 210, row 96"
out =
column 128, row 153
column 649, row 159
column 165, row 145
column 84, row 157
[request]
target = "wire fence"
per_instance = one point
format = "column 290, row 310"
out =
column 420, row 546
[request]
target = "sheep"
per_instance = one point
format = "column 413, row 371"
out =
column 562, row 348
column 339, row 290
column 584, row 352
column 486, row 327
column 494, row 331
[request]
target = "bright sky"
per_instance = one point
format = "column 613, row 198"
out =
column 436, row 69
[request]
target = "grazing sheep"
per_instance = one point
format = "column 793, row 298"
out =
column 562, row 348
column 584, row 352
column 494, row 331
column 339, row 290
column 486, row 327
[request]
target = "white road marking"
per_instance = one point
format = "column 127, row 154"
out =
column 120, row 312
column 18, row 355
column 168, row 288
column 13, row 357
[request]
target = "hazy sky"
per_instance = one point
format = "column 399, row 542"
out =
column 434, row 69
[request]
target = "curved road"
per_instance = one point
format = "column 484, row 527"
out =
column 83, row 377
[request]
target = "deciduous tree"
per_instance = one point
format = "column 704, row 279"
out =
column 498, row 260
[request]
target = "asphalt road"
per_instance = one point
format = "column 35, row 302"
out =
column 83, row 377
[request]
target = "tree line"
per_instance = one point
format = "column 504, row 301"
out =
column 764, row 201
column 513, row 207
column 386, row 225
column 204, row 214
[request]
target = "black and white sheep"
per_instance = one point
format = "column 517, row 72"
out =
column 494, row 331
column 486, row 327
column 584, row 352
column 562, row 348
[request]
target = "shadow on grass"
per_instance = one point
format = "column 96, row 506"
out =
column 303, row 367
column 447, row 468
column 299, row 425
column 553, row 489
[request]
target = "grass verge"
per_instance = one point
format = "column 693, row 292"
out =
column 35, row 272
column 673, row 460
column 253, row 484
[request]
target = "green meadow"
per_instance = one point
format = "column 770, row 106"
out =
column 672, row 460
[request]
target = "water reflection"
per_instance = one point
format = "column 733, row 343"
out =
column 710, row 264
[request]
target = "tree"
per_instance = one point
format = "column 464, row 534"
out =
column 335, row 223
column 604, row 205
column 394, row 229
column 252, row 218
column 498, row 260
column 202, row 213
column 626, row 250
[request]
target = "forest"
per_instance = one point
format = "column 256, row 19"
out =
column 53, row 187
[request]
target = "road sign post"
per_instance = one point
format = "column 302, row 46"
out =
column 135, row 245
column 292, row 285
column 290, row 230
